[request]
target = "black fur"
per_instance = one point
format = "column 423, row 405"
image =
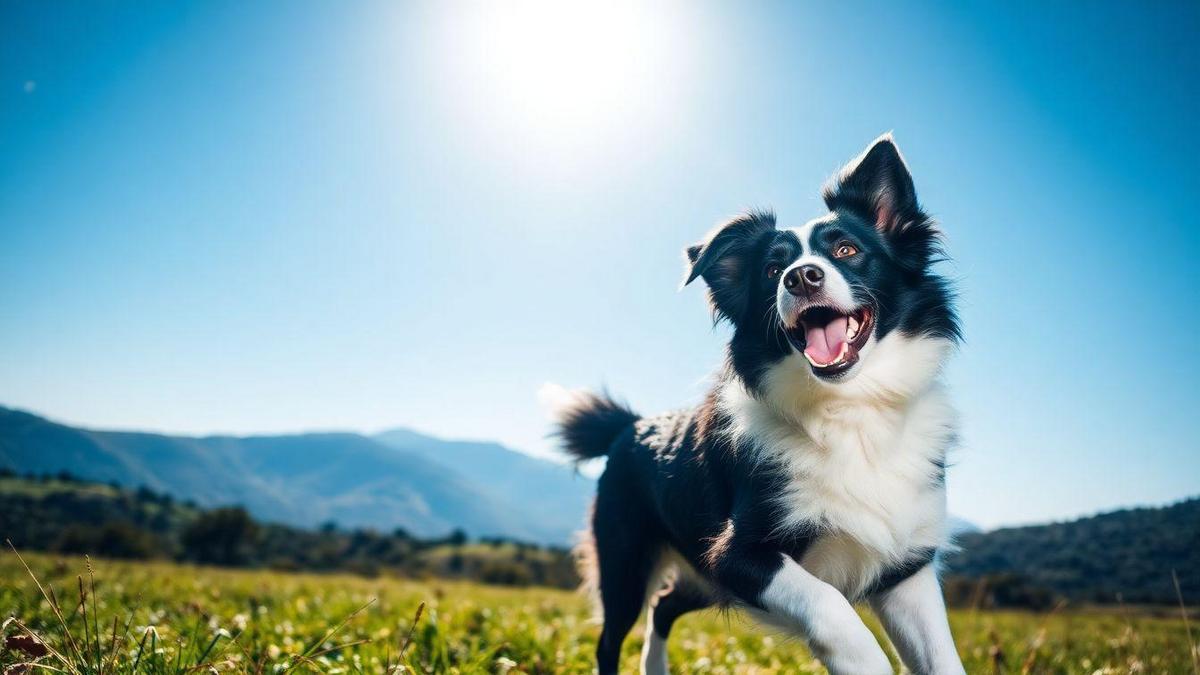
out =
column 589, row 428
column 677, row 480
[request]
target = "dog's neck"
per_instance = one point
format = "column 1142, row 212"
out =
column 864, row 457
column 873, row 405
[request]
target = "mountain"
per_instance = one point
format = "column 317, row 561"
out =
column 505, row 474
column 309, row 479
column 1127, row 554
column 960, row 526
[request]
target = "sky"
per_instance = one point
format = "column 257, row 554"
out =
column 274, row 217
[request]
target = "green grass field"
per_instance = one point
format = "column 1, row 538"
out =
column 170, row 618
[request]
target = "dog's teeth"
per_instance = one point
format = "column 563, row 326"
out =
column 852, row 326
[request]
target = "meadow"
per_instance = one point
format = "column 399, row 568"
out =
column 168, row 618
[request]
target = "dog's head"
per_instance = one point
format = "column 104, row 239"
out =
column 829, row 291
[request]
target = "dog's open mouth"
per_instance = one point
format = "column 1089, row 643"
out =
column 830, row 339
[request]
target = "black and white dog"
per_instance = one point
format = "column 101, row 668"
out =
column 812, row 476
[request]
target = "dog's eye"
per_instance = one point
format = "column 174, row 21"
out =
column 844, row 250
column 773, row 271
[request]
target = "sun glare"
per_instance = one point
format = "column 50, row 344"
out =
column 562, row 74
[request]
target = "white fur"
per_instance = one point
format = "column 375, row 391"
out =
column 836, row 290
column 804, row 232
column 654, row 649
column 797, row 600
column 914, row 615
column 668, row 569
column 860, row 454
column 557, row 401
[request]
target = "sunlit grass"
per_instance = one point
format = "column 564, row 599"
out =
column 169, row 618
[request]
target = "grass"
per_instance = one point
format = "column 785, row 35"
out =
column 168, row 618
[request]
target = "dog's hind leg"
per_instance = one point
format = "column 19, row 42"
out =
column 668, row 605
column 626, row 555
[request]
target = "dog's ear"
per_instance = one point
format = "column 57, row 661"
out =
column 877, row 186
column 722, row 259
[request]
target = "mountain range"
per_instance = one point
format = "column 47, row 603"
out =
column 395, row 479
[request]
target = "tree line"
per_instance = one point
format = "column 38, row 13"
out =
column 61, row 514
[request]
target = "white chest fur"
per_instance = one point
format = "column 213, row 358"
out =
column 860, row 466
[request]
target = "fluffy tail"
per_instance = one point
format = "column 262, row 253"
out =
column 587, row 423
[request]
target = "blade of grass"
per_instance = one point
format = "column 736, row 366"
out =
column 112, row 642
column 407, row 640
column 335, row 648
column 112, row 657
column 87, row 638
column 1186, row 625
column 411, row 629
column 208, row 650
column 332, row 631
column 151, row 633
column 181, row 641
column 95, row 610
column 43, row 666
column 53, row 604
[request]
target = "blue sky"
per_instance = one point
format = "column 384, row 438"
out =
column 246, row 217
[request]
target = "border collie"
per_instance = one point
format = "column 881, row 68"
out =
column 812, row 475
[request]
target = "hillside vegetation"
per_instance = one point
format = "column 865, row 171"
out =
column 61, row 514
column 1126, row 556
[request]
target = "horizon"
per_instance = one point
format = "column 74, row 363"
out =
column 224, row 219
column 589, row 469
column 264, row 432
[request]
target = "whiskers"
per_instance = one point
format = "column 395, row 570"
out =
column 857, row 288
column 774, row 326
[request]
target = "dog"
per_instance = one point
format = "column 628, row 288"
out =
column 812, row 476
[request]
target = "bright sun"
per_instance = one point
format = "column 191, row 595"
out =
column 562, row 74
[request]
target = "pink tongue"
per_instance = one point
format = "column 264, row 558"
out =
column 824, row 343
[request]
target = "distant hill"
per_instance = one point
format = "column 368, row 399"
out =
column 421, row 484
column 553, row 492
column 1128, row 553
column 62, row 514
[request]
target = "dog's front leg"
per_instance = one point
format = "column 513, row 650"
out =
column 775, row 584
column 914, row 615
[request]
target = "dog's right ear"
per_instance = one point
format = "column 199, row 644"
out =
column 721, row 260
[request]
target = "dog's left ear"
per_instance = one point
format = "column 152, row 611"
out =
column 721, row 260
column 877, row 186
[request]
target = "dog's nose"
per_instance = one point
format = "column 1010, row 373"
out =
column 804, row 280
